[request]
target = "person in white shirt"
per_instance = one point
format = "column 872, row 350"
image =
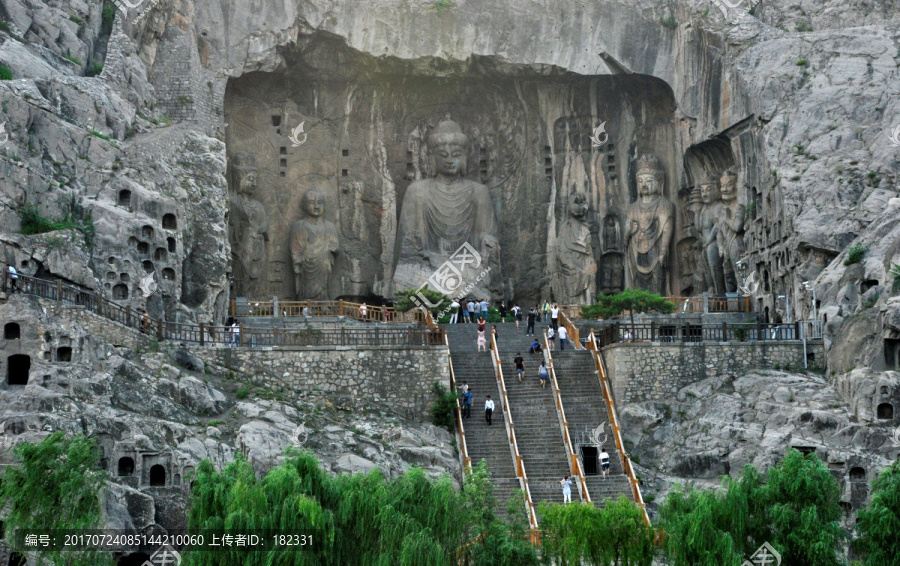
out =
column 567, row 490
column 454, row 312
column 363, row 311
column 563, row 337
column 551, row 337
column 13, row 277
column 471, row 308
column 554, row 316
column 488, row 409
column 235, row 334
column 604, row 462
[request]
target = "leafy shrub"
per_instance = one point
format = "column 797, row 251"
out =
column 76, row 218
column 879, row 521
column 404, row 301
column 107, row 18
column 100, row 135
column 441, row 5
column 94, row 69
column 76, row 19
column 5, row 73
column 242, row 393
column 802, row 62
column 74, row 59
column 443, row 407
column 856, row 253
column 669, row 22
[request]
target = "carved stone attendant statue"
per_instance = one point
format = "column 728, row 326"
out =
column 249, row 224
column 650, row 224
column 708, row 226
column 730, row 238
column 314, row 245
column 575, row 256
column 440, row 214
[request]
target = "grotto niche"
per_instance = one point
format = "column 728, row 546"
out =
column 539, row 141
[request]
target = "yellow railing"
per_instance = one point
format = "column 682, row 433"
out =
column 617, row 433
column 463, row 449
column 287, row 309
column 570, row 328
column 698, row 304
column 513, row 445
column 575, row 466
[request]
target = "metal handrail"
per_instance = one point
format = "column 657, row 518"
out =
column 571, row 329
column 348, row 309
column 513, row 445
column 463, row 449
column 575, row 465
column 617, row 433
column 698, row 304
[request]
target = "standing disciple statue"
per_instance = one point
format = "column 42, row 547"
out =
column 575, row 257
column 441, row 214
column 314, row 245
column 651, row 220
column 712, row 211
column 249, row 224
column 730, row 238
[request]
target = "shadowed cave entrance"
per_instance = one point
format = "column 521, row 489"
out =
column 355, row 128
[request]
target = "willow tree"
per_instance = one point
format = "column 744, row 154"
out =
column 56, row 486
column 879, row 521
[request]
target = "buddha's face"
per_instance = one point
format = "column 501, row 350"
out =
column 709, row 192
column 450, row 159
column 314, row 204
column 579, row 207
column 247, row 182
column 648, row 184
column 729, row 188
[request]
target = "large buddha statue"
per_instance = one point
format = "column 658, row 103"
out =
column 651, row 220
column 708, row 227
column 440, row 215
column 314, row 245
column 730, row 237
column 575, row 256
column 248, row 226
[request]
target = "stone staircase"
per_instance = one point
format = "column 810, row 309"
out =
column 482, row 441
column 533, row 409
column 586, row 409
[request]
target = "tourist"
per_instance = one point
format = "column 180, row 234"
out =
column 454, row 312
column 13, row 277
column 467, row 403
column 484, row 309
column 551, row 337
column 544, row 374
column 235, row 334
column 488, row 409
column 563, row 337
column 531, row 318
column 535, row 347
column 627, row 336
column 517, row 314
column 604, row 462
column 465, row 310
column 519, row 362
column 546, row 310
column 502, row 310
column 481, row 324
column 482, row 341
column 464, row 388
column 554, row 316
column 145, row 321
column 362, row 312
column 494, row 332
column 567, row 490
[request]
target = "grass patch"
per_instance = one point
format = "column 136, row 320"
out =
column 75, row 219
column 242, row 393
column 107, row 18
column 803, row 26
column 441, row 5
column 97, row 134
column 94, row 69
column 669, row 22
column 74, row 59
column 77, row 20
column 802, row 62
column 856, row 254
column 5, row 73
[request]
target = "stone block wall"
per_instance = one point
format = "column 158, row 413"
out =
column 389, row 378
column 644, row 371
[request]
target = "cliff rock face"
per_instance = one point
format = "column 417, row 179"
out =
column 122, row 125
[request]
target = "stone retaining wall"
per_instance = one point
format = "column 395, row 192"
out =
column 645, row 371
column 388, row 378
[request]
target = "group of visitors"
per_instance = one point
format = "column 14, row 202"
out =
column 549, row 313
column 472, row 310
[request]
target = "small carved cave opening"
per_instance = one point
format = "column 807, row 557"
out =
column 169, row 222
column 64, row 354
column 147, row 232
column 885, row 411
column 168, row 274
column 124, row 197
column 885, row 390
column 170, row 241
column 126, row 466
column 892, row 353
column 120, row 292
column 124, row 277
column 143, row 248
column 160, row 254
column 147, row 265
column 157, row 475
column 12, row 331
column 868, row 284
column 857, row 473
column 18, row 367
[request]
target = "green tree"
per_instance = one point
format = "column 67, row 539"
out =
column 879, row 521
column 56, row 487
column 404, row 300
column 631, row 301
